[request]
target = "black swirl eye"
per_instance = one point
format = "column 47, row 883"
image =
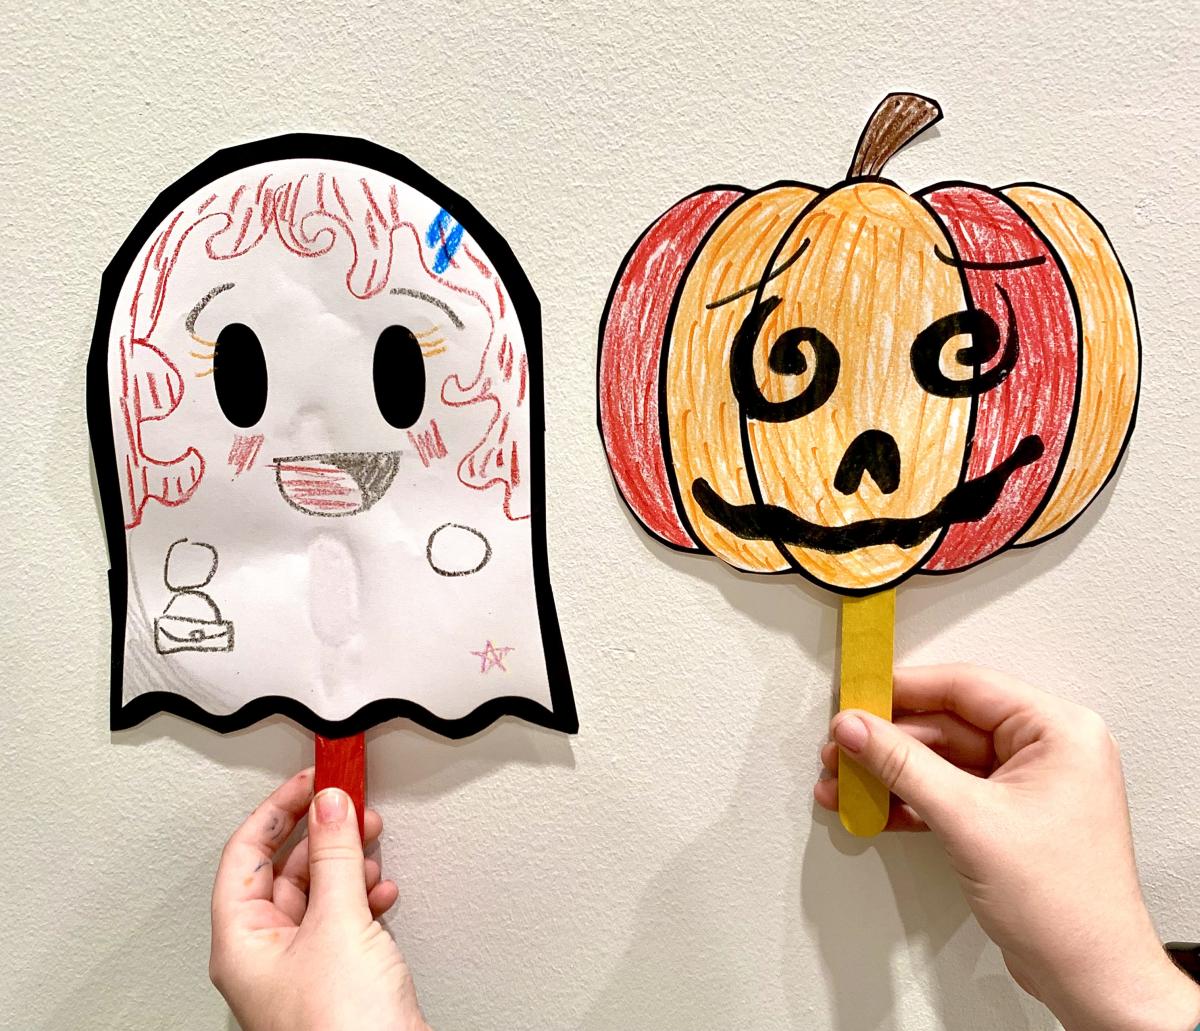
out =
column 982, row 344
column 240, row 375
column 794, row 353
column 399, row 372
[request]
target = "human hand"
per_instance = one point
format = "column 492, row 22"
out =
column 296, row 945
column 1026, row 793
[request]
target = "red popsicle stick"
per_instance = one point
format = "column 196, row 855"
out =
column 342, row 763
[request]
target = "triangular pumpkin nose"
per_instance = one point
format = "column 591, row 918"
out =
column 874, row 452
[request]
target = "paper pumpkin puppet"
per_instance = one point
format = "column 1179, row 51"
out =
column 315, row 403
column 858, row 384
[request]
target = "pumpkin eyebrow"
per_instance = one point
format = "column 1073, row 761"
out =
column 765, row 279
column 964, row 263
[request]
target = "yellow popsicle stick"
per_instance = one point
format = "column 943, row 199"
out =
column 868, row 625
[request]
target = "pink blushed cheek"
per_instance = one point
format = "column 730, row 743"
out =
column 243, row 452
column 427, row 442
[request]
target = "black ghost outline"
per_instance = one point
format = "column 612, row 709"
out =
column 561, row 715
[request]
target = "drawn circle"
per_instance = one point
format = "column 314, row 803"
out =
column 453, row 547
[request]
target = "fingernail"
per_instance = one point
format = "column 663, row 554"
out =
column 824, row 774
column 332, row 805
column 851, row 733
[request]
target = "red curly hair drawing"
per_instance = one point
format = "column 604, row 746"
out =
column 307, row 214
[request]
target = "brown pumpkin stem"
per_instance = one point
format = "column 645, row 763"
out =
column 899, row 119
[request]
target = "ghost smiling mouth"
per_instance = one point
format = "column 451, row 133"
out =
column 335, row 483
column 970, row 500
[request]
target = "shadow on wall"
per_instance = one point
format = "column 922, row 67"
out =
column 926, row 604
column 720, row 943
column 716, row 943
column 847, row 906
column 128, row 986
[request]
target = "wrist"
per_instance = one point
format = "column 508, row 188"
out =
column 1152, row 995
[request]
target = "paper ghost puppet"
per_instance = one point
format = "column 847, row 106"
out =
column 315, row 403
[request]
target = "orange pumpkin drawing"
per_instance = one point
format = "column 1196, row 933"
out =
column 858, row 383
column 857, row 357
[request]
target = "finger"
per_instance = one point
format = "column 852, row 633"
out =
column 371, row 874
column 291, row 886
column 289, row 898
column 294, row 867
column 335, row 860
column 372, row 828
column 952, row 737
column 382, row 897
column 903, row 817
column 908, row 768
column 982, row 697
column 245, row 873
column 825, row 792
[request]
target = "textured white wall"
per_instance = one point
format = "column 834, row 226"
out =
column 663, row 870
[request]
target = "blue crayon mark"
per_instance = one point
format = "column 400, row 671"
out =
column 444, row 235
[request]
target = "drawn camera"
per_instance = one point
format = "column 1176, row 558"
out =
column 192, row 621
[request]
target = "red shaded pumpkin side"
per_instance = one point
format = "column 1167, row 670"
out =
column 631, row 344
column 1015, row 277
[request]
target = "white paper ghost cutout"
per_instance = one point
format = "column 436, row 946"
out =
column 315, row 402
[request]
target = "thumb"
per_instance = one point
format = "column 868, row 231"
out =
column 335, row 858
column 910, row 769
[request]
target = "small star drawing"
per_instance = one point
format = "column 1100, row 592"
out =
column 492, row 656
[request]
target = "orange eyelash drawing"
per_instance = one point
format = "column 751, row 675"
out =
column 858, row 384
column 204, row 358
column 431, row 347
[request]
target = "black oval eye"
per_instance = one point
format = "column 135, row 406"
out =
column 984, row 334
column 240, row 375
column 786, row 357
column 399, row 371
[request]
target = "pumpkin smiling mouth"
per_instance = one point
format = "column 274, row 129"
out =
column 969, row 501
